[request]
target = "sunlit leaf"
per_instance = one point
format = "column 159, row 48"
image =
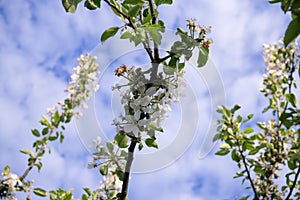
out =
column 40, row 192
column 110, row 32
column 103, row 170
column 222, row 152
column 70, row 5
column 92, row 4
column 122, row 140
column 203, row 56
column 150, row 142
column 248, row 130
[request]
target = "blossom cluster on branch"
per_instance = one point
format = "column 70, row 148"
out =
column 83, row 80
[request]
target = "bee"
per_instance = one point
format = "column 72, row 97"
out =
column 121, row 70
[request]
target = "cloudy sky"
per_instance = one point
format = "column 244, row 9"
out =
column 39, row 44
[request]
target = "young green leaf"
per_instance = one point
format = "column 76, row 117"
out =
column 40, row 192
column 56, row 118
column 150, row 142
column 248, row 130
column 45, row 121
column 222, row 152
column 70, row 5
column 122, row 140
column 109, row 33
column 35, row 132
column 6, row 170
column 202, row 56
column 25, row 151
column 103, row 170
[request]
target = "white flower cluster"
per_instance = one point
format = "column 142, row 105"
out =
column 110, row 186
column 146, row 102
column 11, row 181
column 84, row 79
column 279, row 61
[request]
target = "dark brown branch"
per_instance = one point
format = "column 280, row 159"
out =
column 127, row 169
column 166, row 57
column 130, row 23
column 151, row 6
column 294, row 184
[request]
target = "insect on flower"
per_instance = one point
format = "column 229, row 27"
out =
column 121, row 70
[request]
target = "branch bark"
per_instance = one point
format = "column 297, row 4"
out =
column 127, row 169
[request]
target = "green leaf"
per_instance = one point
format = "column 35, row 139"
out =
column 140, row 147
column 153, row 126
column 155, row 34
column 235, row 156
column 225, row 146
column 25, row 151
column 222, row 152
column 70, row 5
column 39, row 166
column 134, row 2
column 103, row 170
column 92, row 4
column 150, row 142
column 45, row 131
column 122, row 140
column 203, row 56
column 110, row 147
column 160, row 2
column 88, row 191
column 285, row 5
column 40, row 192
column 291, row 98
column 133, row 11
column 248, row 130
column 45, row 121
column 292, row 31
column 6, row 170
column 109, row 33
column 61, row 138
column 235, row 108
column 35, row 132
column 274, row 1
column 56, row 118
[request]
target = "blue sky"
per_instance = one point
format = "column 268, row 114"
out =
column 39, row 44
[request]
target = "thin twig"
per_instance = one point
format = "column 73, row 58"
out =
column 248, row 174
column 294, row 183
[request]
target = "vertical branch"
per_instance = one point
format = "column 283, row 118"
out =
column 127, row 169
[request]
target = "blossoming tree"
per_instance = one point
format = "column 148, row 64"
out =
column 146, row 97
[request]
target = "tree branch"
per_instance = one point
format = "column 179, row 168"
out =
column 248, row 173
column 166, row 57
column 294, row 183
column 127, row 169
